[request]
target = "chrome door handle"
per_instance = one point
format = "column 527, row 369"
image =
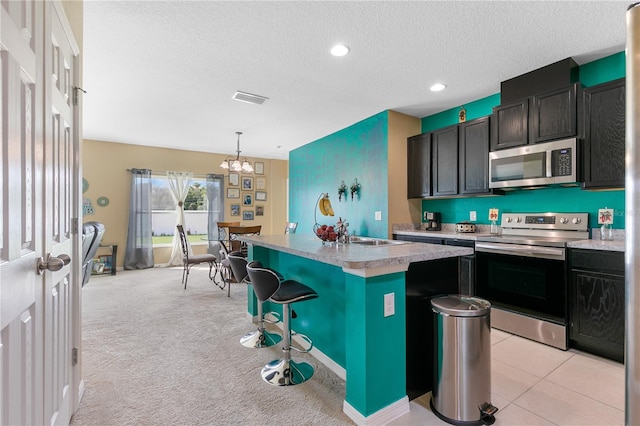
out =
column 52, row 263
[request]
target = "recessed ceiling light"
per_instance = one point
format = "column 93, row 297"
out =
column 339, row 50
column 437, row 87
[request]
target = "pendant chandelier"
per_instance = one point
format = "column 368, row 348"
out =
column 235, row 164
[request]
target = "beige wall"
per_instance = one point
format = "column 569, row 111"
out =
column 401, row 210
column 105, row 167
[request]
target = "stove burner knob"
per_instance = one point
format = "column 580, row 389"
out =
column 509, row 219
column 576, row 220
column 564, row 220
column 518, row 219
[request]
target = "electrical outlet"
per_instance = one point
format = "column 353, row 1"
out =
column 472, row 215
column 378, row 215
column 389, row 304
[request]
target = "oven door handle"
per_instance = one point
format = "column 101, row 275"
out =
column 522, row 250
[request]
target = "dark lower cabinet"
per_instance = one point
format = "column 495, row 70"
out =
column 597, row 302
column 604, row 135
column 426, row 280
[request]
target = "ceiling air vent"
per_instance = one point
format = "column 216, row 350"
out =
column 248, row 97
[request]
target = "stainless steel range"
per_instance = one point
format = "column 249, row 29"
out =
column 523, row 273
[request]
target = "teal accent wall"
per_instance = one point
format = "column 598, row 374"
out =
column 535, row 201
column 358, row 151
column 476, row 109
column 541, row 200
column 606, row 69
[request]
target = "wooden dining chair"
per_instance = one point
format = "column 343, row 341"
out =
column 223, row 229
column 236, row 231
column 190, row 259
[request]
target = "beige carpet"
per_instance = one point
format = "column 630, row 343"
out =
column 156, row 354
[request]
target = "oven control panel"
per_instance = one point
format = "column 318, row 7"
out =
column 549, row 221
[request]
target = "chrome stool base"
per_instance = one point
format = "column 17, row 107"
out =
column 282, row 372
column 260, row 339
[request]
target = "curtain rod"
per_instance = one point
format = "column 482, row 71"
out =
column 161, row 172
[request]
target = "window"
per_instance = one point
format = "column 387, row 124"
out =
column 163, row 216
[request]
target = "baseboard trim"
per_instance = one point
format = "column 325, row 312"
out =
column 380, row 417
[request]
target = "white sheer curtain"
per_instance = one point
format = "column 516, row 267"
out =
column 179, row 182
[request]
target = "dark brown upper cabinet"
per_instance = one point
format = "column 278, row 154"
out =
column 510, row 125
column 474, row 156
column 604, row 135
column 539, row 118
column 445, row 161
column 553, row 115
column 450, row 162
column 419, row 166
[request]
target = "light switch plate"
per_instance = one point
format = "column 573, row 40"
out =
column 389, row 304
column 472, row 215
column 378, row 215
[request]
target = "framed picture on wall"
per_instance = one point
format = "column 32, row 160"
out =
column 234, row 179
column 247, row 215
column 235, row 209
column 247, row 199
column 261, row 196
column 233, row 193
column 247, row 183
column 259, row 210
column 261, row 183
column 259, row 168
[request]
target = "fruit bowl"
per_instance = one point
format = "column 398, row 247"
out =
column 325, row 232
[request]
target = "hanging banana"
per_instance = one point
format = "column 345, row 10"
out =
column 324, row 204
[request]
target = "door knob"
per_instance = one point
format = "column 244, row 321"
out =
column 52, row 263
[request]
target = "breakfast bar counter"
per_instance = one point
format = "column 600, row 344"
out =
column 353, row 332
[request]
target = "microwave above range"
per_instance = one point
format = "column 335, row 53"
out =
column 549, row 163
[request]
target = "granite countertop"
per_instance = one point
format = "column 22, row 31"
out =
column 614, row 245
column 442, row 234
column 356, row 256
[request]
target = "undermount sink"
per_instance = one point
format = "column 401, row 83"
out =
column 373, row 241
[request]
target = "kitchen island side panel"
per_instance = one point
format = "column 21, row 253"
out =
column 376, row 345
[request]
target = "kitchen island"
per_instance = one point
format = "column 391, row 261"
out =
column 353, row 332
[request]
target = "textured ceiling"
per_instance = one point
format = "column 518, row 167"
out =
column 163, row 73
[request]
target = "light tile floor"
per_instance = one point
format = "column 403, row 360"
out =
column 535, row 384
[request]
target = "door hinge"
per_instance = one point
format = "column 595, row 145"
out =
column 74, row 356
column 75, row 94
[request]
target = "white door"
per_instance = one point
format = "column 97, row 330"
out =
column 36, row 310
column 60, row 207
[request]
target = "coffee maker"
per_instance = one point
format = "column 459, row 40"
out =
column 432, row 221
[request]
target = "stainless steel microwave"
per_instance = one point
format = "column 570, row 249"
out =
column 547, row 163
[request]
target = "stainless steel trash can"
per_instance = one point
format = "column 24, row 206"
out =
column 462, row 360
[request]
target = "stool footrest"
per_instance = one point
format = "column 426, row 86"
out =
column 305, row 338
column 276, row 317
